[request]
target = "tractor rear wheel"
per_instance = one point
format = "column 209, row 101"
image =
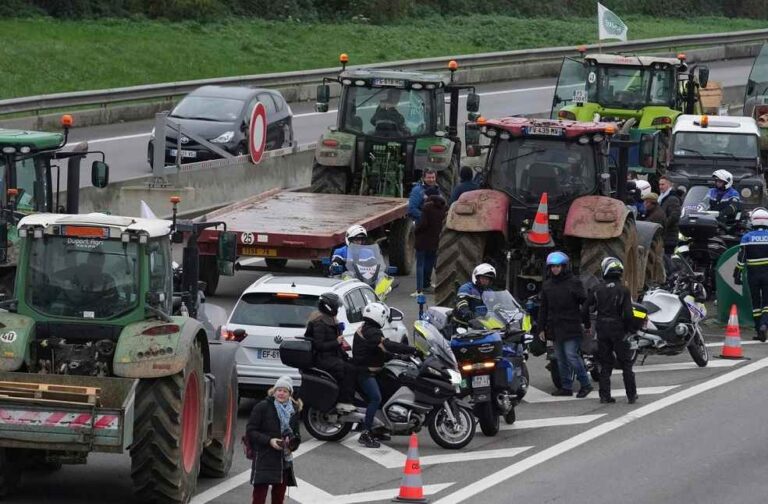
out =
column 655, row 274
column 168, row 434
column 459, row 254
column 401, row 246
column 329, row 179
column 623, row 247
column 217, row 456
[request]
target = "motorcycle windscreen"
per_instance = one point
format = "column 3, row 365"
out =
column 756, row 95
column 365, row 262
column 571, row 85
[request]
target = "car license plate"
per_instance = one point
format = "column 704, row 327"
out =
column 259, row 252
column 184, row 153
column 481, row 381
column 269, row 353
column 543, row 130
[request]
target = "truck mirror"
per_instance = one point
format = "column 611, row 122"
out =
column 473, row 102
column 226, row 254
column 703, row 76
column 99, row 174
column 323, row 97
column 647, row 150
column 472, row 139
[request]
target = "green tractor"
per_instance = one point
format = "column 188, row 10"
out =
column 649, row 90
column 390, row 128
column 106, row 348
column 29, row 183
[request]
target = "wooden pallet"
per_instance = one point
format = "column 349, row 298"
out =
column 63, row 393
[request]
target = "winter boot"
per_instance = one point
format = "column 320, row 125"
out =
column 366, row 439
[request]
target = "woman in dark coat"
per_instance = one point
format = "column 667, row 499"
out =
column 273, row 433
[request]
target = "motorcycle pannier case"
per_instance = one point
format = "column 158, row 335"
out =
column 297, row 353
column 318, row 389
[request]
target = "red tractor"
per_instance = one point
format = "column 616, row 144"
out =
column 566, row 164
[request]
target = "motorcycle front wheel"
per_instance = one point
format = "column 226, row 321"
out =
column 698, row 350
column 488, row 418
column 323, row 426
column 449, row 434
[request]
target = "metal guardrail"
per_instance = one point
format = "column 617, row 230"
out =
column 169, row 90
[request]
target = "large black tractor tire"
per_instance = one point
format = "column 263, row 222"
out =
column 329, row 179
column 623, row 247
column 10, row 471
column 209, row 273
column 401, row 246
column 459, row 254
column 217, row 456
column 446, row 179
column 168, row 434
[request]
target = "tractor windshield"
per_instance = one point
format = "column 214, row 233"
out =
column 82, row 277
column 388, row 112
column 525, row 168
column 31, row 179
column 631, row 87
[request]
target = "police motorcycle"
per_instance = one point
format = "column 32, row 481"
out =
column 492, row 355
column 366, row 264
column 668, row 321
column 415, row 393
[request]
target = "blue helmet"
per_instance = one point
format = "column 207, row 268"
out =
column 557, row 259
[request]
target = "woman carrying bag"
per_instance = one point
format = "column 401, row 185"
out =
column 273, row 434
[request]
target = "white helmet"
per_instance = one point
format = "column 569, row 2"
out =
column 376, row 313
column 725, row 176
column 759, row 218
column 643, row 186
column 354, row 231
column 484, row 269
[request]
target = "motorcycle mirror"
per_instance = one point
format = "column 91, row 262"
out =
column 391, row 270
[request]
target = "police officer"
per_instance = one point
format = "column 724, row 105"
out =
column 355, row 234
column 724, row 198
column 613, row 304
column 470, row 295
column 753, row 254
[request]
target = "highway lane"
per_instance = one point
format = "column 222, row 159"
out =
column 125, row 144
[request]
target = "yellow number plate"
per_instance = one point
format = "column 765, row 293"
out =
column 260, row 252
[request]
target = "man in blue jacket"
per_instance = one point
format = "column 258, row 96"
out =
column 724, row 198
column 417, row 197
column 466, row 183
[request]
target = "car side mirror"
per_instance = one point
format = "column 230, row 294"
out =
column 99, row 174
column 472, row 139
column 395, row 315
column 226, row 254
column 703, row 76
column 473, row 102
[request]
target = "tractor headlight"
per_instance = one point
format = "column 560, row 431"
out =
column 746, row 192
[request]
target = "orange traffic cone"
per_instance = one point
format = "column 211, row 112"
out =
column 411, row 489
column 538, row 235
column 732, row 345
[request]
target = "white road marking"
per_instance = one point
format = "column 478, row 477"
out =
column 245, row 477
column 473, row 490
column 749, row 342
column 306, row 493
column 113, row 139
column 680, row 366
column 535, row 395
column 552, row 422
column 385, row 455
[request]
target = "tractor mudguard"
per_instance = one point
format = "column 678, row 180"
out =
column 335, row 149
column 479, row 211
column 433, row 152
column 584, row 113
column 140, row 355
column 650, row 113
column 596, row 217
column 222, row 363
column 14, row 340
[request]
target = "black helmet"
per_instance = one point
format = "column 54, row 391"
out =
column 329, row 303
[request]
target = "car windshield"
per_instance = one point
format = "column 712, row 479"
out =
column 208, row 108
column 82, row 277
column 274, row 309
column 631, row 87
column 525, row 168
column 388, row 112
column 694, row 144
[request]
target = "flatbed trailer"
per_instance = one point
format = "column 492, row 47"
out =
column 279, row 225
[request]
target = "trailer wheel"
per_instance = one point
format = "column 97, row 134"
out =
column 402, row 246
column 217, row 456
column 167, row 434
column 209, row 273
column 10, row 471
column 459, row 254
column 623, row 247
column 329, row 179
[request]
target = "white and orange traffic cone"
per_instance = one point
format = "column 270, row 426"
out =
column 539, row 235
column 411, row 488
column 732, row 345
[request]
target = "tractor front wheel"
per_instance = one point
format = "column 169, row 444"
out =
column 329, row 179
column 623, row 247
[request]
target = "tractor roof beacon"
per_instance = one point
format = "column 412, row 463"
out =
column 563, row 165
column 99, row 308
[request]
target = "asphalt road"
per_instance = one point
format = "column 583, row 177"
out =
column 695, row 435
column 125, row 144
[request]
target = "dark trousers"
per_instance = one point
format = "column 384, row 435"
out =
column 607, row 347
column 425, row 263
column 260, row 493
column 344, row 373
column 757, row 277
column 370, row 388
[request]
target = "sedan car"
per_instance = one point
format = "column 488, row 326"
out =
column 222, row 116
column 274, row 309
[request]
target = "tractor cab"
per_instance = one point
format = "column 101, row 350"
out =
column 756, row 99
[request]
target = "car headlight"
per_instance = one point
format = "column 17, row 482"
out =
column 455, row 377
column 225, row 137
column 746, row 192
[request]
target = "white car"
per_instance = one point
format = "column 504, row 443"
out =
column 276, row 308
